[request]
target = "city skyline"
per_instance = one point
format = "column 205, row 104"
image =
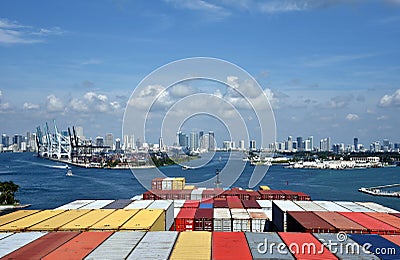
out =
column 328, row 69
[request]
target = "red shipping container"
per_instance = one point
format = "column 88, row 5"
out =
column 373, row 225
column 303, row 221
column 387, row 218
column 290, row 195
column 395, row 214
column 220, row 203
column 203, row 220
column 392, row 238
column 79, row 246
column 250, row 204
column 211, row 193
column 42, row 246
column 303, row 196
column 184, row 221
column 191, row 204
column 341, row 223
column 272, row 195
column 305, row 246
column 185, row 194
column 234, row 203
column 230, row 245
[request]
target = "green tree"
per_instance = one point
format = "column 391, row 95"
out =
column 7, row 192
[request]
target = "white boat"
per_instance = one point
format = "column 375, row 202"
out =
column 69, row 173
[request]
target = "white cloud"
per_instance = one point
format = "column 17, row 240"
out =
column 30, row 106
column 352, row 117
column 11, row 32
column 5, row 106
column 78, row 105
column 382, row 118
column 1, row 94
column 115, row 105
column 54, row 104
column 392, row 100
column 181, row 90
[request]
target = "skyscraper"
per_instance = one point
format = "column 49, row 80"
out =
column 355, row 144
column 194, row 141
column 311, row 138
column 211, row 141
column 300, row 146
column 109, row 140
column 252, row 145
column 161, row 144
column 100, row 141
column 79, row 132
column 5, row 140
column 182, row 139
column 241, row 145
column 117, row 144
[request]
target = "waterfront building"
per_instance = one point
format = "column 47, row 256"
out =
column 99, row 141
column 5, row 140
column 299, row 140
column 253, row 145
column 117, row 144
column 79, row 132
column 109, row 140
column 129, row 142
column 17, row 140
column 161, row 144
column 241, row 145
column 211, row 141
column 355, row 142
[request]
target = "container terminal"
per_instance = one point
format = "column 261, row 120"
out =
column 203, row 223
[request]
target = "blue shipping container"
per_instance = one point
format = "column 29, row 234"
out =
column 378, row 245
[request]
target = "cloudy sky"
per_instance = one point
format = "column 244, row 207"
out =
column 329, row 68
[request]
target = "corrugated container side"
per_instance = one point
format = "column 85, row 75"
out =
column 54, row 223
column 84, row 222
column 331, row 206
column 156, row 183
column 146, row 220
column 279, row 211
column 258, row 220
column 377, row 207
column 139, row 204
column 115, row 220
column 308, row 247
column 387, row 218
column 155, row 245
column 222, row 220
column 240, row 220
column 267, row 246
column 265, row 203
column 168, row 207
column 221, row 203
column 10, row 217
column 118, row 204
column 191, row 204
column 250, row 204
column 353, row 206
column 97, row 204
column 13, row 242
column 203, row 220
column 167, row 183
column 117, row 246
column 305, row 221
column 373, row 225
column 42, row 246
column 196, row 194
column 185, row 219
column 24, row 223
column 341, row 223
column 232, row 245
column 303, row 196
column 192, row 245
column 392, row 238
column 347, row 249
column 79, row 246
column 310, row 206
column 380, row 246
column 75, row 204
column 234, row 203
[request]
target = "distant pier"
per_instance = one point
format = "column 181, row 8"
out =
column 378, row 190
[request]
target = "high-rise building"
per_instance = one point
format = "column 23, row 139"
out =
column 300, row 146
column 182, row 139
column 252, row 145
column 161, row 144
column 117, row 144
column 355, row 144
column 138, row 144
column 204, row 142
column 241, row 145
column 79, row 132
column 99, row 141
column 17, row 140
column 109, row 140
column 307, row 145
column 324, row 144
column 311, row 139
column 129, row 142
column 5, row 140
column 211, row 141
column 194, row 141
column 289, row 144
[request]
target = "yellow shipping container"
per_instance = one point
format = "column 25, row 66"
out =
column 16, row 215
column 178, row 183
column 265, row 187
column 146, row 220
column 56, row 222
column 193, row 245
column 189, row 187
column 24, row 223
column 84, row 222
column 115, row 220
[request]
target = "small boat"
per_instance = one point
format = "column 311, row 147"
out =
column 69, row 173
column 185, row 167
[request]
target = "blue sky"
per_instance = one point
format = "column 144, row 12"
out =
column 330, row 68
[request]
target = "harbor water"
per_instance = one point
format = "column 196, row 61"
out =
column 44, row 184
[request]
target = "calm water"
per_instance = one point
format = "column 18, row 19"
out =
column 43, row 183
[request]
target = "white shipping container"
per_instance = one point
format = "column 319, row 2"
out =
column 139, row 204
column 155, row 245
column 265, row 203
column 222, row 220
column 176, row 212
column 258, row 219
column 166, row 183
column 168, row 207
column 75, row 204
column 18, row 240
column 97, row 204
column 331, row 206
column 268, row 212
column 377, row 207
column 4, row 235
column 117, row 246
column 353, row 206
column 137, row 197
column 279, row 213
column 179, row 203
column 309, row 206
column 240, row 220
column 196, row 194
